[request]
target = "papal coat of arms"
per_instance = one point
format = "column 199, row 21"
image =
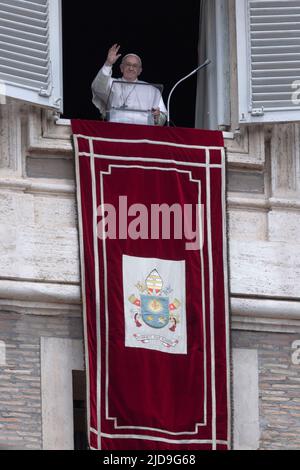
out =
column 154, row 295
column 154, row 308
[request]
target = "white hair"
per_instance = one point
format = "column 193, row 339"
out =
column 132, row 55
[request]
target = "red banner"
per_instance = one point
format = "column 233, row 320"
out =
column 154, row 279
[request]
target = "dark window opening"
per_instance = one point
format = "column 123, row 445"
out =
column 164, row 33
column 79, row 411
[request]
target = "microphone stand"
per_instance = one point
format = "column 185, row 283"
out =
column 205, row 64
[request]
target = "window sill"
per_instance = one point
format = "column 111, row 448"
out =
column 242, row 150
column 67, row 122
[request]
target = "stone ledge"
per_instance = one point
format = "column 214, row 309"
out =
column 14, row 292
column 38, row 186
column 257, row 314
column 281, row 316
column 258, row 202
column 68, row 187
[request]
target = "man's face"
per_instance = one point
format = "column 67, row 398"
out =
column 131, row 68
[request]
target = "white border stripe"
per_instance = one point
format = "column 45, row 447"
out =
column 207, row 166
column 151, row 160
column 82, row 263
column 150, row 142
column 198, row 182
column 162, row 439
column 105, row 300
column 226, row 291
column 211, row 289
column 97, row 290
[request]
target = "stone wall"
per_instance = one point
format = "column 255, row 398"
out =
column 40, row 275
column 20, row 376
column 279, row 388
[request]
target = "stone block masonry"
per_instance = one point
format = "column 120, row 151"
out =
column 20, row 376
column 279, row 388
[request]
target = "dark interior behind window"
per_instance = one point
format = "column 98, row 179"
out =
column 164, row 33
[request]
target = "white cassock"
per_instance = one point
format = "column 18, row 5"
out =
column 128, row 103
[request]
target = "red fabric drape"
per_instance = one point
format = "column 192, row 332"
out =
column 142, row 396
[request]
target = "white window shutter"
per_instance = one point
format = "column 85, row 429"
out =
column 31, row 51
column 268, row 45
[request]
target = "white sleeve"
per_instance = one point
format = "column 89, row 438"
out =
column 163, row 113
column 162, row 106
column 101, row 87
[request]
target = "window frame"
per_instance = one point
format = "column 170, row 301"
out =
column 213, row 90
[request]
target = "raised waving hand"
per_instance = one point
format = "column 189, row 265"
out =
column 113, row 55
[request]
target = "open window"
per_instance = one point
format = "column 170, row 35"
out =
column 166, row 36
column 164, row 33
column 37, row 37
column 79, row 410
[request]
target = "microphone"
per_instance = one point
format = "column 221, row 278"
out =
column 205, row 64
